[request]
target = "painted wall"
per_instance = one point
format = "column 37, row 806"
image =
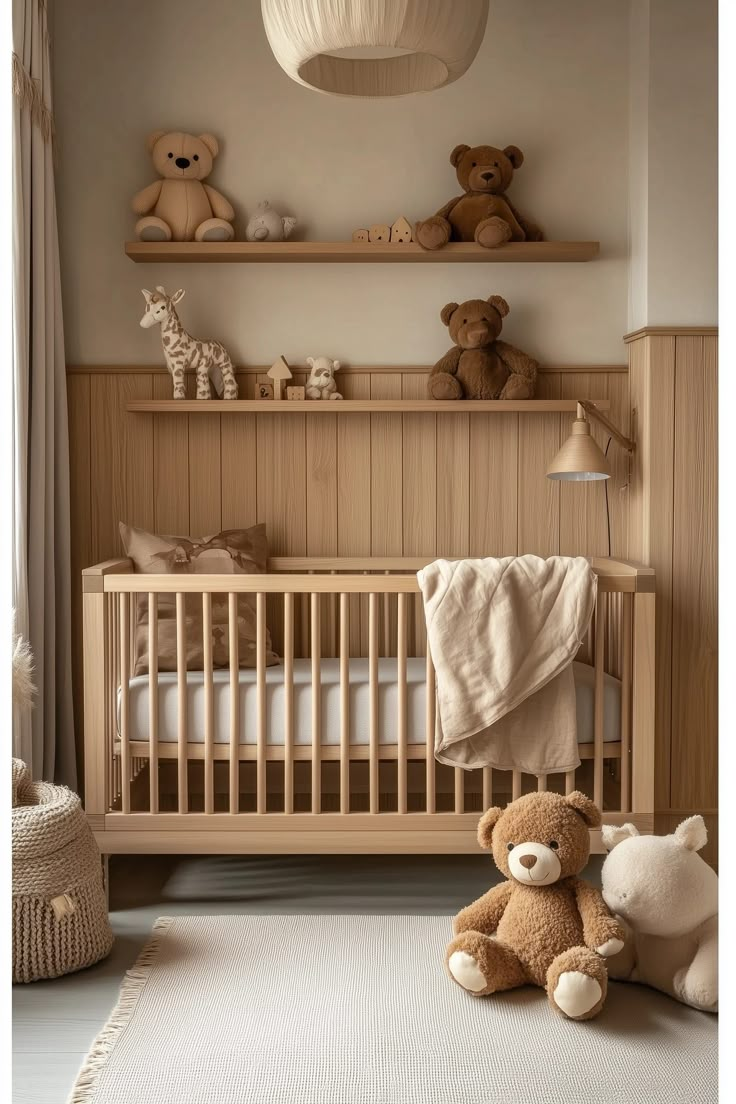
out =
column 551, row 78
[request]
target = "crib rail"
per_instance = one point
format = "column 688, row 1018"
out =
column 317, row 610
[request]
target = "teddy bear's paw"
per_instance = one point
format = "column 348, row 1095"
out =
column 492, row 232
column 610, row 947
column 443, row 386
column 466, row 971
column 432, row 233
column 153, row 229
column 214, row 230
column 576, row 993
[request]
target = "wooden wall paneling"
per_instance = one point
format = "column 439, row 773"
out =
column 453, row 485
column 170, row 466
column 205, row 475
column 354, row 497
column 121, row 461
column 419, row 490
column 387, row 505
column 321, row 491
column 583, row 505
column 239, row 455
column 622, row 463
column 494, row 479
column 538, row 496
column 78, row 401
column 694, row 753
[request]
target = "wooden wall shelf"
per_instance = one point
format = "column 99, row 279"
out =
column 356, row 252
column 356, row 406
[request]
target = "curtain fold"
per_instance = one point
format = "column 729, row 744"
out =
column 41, row 522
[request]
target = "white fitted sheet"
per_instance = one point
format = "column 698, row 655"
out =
column 330, row 690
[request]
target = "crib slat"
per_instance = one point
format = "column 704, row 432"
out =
column 429, row 735
column 628, row 621
column 181, row 684
column 344, row 704
column 316, row 706
column 569, row 781
column 125, row 699
column 515, row 785
column 233, row 647
column 459, row 790
column 373, row 713
column 288, row 703
column 209, row 706
column 600, row 628
column 541, row 783
column 153, row 700
column 402, row 700
column 261, row 702
column 487, row 787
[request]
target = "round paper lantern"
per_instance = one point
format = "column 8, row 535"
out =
column 374, row 47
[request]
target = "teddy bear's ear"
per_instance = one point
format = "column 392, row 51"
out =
column 486, row 824
column 586, row 808
column 499, row 303
column 211, row 143
column 153, row 138
column 692, row 833
column 613, row 834
column 515, row 156
column 447, row 312
column 457, row 153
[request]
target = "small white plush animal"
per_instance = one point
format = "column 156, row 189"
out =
column 267, row 225
column 667, row 897
column 321, row 382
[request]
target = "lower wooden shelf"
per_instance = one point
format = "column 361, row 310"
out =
column 356, row 406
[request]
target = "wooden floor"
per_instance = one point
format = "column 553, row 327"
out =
column 54, row 1022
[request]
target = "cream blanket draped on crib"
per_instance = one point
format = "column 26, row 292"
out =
column 503, row 634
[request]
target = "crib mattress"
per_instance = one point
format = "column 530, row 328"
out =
column 330, row 700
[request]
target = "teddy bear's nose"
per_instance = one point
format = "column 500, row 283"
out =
column 484, row 175
column 528, row 861
column 182, row 162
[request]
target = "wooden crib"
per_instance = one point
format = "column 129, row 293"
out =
column 253, row 761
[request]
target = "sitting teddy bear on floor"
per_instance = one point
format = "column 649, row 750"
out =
column 543, row 926
column 479, row 366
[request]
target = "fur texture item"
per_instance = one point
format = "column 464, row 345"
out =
column 667, row 897
column 321, row 382
column 479, row 366
column 267, row 225
column 208, row 359
column 483, row 214
column 179, row 206
column 24, row 688
column 544, row 926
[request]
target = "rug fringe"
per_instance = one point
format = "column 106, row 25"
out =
column 131, row 989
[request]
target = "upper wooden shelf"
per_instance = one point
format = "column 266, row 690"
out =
column 356, row 406
column 352, row 252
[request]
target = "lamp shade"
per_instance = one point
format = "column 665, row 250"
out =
column 374, row 47
column 580, row 458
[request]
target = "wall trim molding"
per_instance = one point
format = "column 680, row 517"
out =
column 351, row 370
column 671, row 331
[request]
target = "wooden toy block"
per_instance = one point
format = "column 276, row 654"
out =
column 380, row 232
column 361, row 236
column 295, row 393
column 279, row 372
column 264, row 391
column 401, row 230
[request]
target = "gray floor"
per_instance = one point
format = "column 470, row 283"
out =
column 54, row 1022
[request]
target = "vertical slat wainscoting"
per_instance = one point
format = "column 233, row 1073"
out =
column 182, row 705
column 233, row 761
column 153, row 700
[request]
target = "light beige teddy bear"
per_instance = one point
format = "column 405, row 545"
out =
column 179, row 206
column 321, row 382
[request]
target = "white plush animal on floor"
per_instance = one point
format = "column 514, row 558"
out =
column 667, row 897
column 321, row 382
column 268, row 225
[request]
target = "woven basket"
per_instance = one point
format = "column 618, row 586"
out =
column 60, row 921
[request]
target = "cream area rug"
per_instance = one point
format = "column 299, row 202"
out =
column 353, row 1009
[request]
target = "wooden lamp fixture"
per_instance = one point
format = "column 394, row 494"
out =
column 581, row 458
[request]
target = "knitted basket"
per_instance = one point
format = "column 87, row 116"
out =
column 60, row 921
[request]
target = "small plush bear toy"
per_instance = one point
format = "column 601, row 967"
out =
column 321, row 382
column 179, row 206
column 484, row 213
column 666, row 896
column 479, row 366
column 543, row 926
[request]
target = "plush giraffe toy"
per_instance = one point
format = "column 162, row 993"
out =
column 184, row 353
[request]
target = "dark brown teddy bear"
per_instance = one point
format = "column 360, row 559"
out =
column 544, row 926
column 484, row 213
column 479, row 366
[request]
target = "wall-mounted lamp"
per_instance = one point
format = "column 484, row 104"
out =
column 581, row 458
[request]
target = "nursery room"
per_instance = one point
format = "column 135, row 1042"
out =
column 363, row 571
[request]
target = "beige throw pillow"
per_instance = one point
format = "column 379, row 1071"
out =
column 232, row 552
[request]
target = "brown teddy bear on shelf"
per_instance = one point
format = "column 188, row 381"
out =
column 479, row 366
column 543, row 926
column 180, row 207
column 483, row 214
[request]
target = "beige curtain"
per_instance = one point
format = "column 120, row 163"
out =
column 41, row 560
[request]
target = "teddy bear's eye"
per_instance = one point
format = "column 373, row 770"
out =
column 496, row 163
column 465, row 321
column 196, row 157
column 509, row 847
column 171, row 155
column 554, row 844
column 475, row 164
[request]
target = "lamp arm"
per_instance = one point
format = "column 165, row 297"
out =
column 592, row 410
